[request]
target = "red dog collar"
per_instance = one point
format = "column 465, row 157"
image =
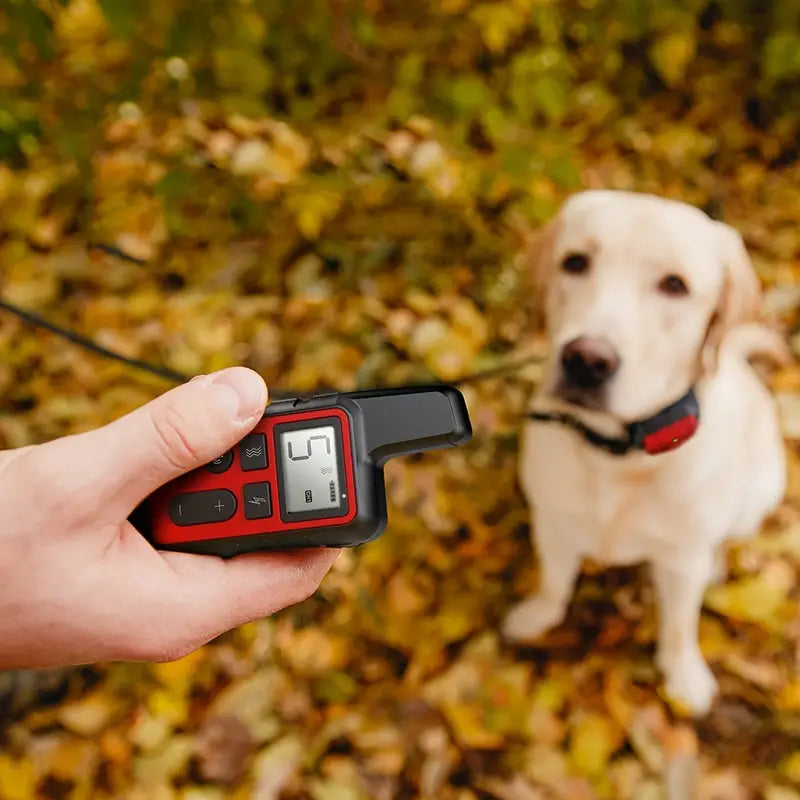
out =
column 664, row 431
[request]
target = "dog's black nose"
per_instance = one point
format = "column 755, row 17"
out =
column 588, row 363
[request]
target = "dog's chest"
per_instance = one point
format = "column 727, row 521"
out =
column 619, row 524
column 617, row 514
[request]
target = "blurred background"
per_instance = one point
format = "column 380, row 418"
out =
column 335, row 194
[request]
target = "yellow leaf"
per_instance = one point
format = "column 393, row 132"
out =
column 387, row 761
column 780, row 793
column 549, row 694
column 715, row 642
column 166, row 764
column 250, row 699
column 80, row 23
column 276, row 765
column 313, row 209
column 169, row 706
column 88, row 716
column 758, row 598
column 72, row 758
column 469, row 726
column 672, row 54
column 785, row 542
column 761, row 672
column 648, row 790
column 790, row 767
column 17, row 779
column 204, row 793
column 427, row 159
column 619, row 705
column 455, row 621
column 335, row 790
column 312, row 650
column 253, row 157
column 404, row 597
column 149, row 732
column 498, row 22
column 179, row 673
column 789, row 697
column 116, row 747
column 546, row 765
column 594, row 739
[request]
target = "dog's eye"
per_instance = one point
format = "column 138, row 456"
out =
column 575, row 263
column 673, row 285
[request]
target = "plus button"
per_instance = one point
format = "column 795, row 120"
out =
column 197, row 508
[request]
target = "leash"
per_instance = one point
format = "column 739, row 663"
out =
column 173, row 376
column 37, row 321
column 664, row 431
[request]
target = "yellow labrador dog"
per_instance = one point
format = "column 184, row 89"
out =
column 652, row 438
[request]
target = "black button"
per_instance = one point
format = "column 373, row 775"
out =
column 257, row 501
column 221, row 463
column 253, row 452
column 196, row 508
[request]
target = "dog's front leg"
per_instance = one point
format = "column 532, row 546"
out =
column 559, row 562
column 680, row 590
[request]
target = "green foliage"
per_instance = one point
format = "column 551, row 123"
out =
column 491, row 76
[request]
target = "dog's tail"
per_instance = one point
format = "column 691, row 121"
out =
column 756, row 341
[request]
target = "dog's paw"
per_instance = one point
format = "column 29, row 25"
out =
column 531, row 618
column 690, row 682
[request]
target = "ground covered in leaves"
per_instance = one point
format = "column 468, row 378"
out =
column 334, row 194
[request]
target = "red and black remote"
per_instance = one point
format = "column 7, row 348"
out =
column 310, row 474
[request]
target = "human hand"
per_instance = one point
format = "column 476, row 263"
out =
column 79, row 584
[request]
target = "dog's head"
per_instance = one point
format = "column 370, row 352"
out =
column 639, row 293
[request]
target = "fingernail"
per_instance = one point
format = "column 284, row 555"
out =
column 250, row 391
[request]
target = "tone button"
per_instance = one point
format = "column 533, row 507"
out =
column 253, row 452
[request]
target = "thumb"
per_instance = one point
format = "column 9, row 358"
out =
column 184, row 428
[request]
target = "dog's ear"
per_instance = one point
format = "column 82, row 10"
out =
column 740, row 298
column 741, row 293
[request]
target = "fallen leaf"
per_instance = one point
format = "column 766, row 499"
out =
column 275, row 766
column 179, row 673
column 648, row 732
column 166, row 764
column 251, row 701
column 759, row 598
column 223, row 749
column 672, row 53
column 790, row 767
column 780, row 793
column 17, row 778
column 593, row 739
column 335, row 790
column 90, row 715
column 515, row 789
